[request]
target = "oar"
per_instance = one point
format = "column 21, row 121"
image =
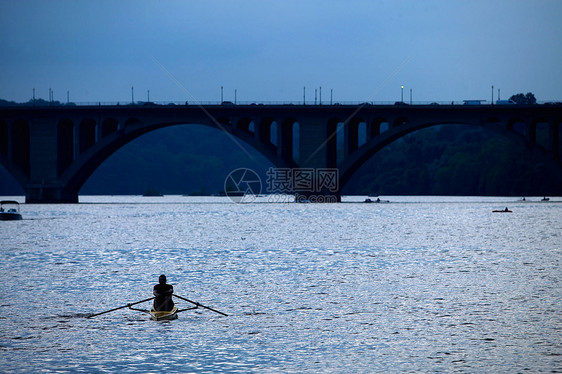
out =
column 203, row 306
column 121, row 307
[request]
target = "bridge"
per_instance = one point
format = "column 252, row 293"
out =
column 52, row 150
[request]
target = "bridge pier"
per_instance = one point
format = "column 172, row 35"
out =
column 318, row 155
column 43, row 185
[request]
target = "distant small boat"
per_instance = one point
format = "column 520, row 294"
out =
column 377, row 201
column 9, row 210
column 502, row 211
column 164, row 315
column 545, row 199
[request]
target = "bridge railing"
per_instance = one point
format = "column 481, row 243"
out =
column 43, row 103
column 224, row 103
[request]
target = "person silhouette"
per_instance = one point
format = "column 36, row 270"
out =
column 163, row 293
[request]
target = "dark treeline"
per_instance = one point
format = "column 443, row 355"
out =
column 444, row 160
column 457, row 160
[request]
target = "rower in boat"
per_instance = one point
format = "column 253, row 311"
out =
column 163, row 293
column 502, row 210
column 163, row 306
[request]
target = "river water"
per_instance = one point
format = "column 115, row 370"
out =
column 420, row 284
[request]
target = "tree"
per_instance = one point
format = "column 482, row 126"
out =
column 520, row 98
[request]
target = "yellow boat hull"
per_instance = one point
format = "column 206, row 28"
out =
column 164, row 315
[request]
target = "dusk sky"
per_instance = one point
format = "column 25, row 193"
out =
column 363, row 50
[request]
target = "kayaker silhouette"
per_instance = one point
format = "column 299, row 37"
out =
column 163, row 293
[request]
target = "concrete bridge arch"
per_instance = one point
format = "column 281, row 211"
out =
column 116, row 136
column 383, row 131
